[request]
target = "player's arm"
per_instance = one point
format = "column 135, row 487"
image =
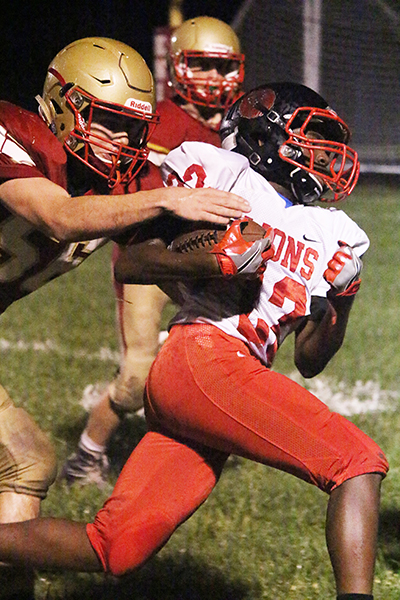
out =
column 154, row 261
column 52, row 210
column 322, row 333
column 151, row 262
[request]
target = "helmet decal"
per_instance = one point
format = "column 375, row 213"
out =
column 250, row 106
column 139, row 105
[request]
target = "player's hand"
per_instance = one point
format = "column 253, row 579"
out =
column 344, row 270
column 206, row 204
column 236, row 256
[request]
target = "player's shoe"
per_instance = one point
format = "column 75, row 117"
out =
column 83, row 468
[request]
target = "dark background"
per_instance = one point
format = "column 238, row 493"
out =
column 32, row 33
column 359, row 60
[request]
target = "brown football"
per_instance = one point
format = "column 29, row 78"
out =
column 203, row 240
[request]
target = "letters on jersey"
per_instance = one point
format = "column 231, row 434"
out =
column 306, row 237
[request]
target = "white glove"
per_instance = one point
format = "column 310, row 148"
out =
column 343, row 271
column 236, row 255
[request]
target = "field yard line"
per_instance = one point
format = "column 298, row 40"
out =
column 103, row 354
column 362, row 397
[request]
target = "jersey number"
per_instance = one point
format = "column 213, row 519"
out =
column 285, row 289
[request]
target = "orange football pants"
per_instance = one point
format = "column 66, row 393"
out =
column 208, row 397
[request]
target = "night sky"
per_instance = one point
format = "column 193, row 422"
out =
column 32, row 33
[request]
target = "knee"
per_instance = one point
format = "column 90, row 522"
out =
column 362, row 456
column 28, row 462
column 126, row 391
column 128, row 545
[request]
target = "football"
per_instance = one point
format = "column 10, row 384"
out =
column 203, row 240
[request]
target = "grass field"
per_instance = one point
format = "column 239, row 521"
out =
column 261, row 533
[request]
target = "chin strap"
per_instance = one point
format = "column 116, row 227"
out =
column 45, row 113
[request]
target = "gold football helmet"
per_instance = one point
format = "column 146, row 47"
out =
column 206, row 64
column 99, row 100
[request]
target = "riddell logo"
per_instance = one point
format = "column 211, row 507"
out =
column 144, row 107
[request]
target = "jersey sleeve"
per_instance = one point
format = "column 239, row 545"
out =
column 353, row 235
column 28, row 148
column 195, row 164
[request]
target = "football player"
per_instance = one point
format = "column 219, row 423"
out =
column 206, row 74
column 57, row 172
column 210, row 391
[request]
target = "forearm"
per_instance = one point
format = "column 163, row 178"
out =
column 151, row 262
column 320, row 340
column 90, row 217
column 50, row 208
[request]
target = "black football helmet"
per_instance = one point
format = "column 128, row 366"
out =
column 271, row 126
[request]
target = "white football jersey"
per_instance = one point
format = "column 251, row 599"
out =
column 261, row 313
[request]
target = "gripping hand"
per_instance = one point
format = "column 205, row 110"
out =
column 244, row 249
column 343, row 271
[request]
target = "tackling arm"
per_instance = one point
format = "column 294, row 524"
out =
column 50, row 208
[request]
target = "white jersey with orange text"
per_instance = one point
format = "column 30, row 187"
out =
column 261, row 312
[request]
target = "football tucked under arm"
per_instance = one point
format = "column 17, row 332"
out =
column 242, row 248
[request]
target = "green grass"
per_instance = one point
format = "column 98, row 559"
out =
column 260, row 535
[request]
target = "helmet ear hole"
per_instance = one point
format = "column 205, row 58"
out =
column 57, row 108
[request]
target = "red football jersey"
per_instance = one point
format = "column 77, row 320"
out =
column 28, row 258
column 177, row 126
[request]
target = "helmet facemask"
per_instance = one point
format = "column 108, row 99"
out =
column 220, row 88
column 329, row 168
column 300, row 147
column 109, row 138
